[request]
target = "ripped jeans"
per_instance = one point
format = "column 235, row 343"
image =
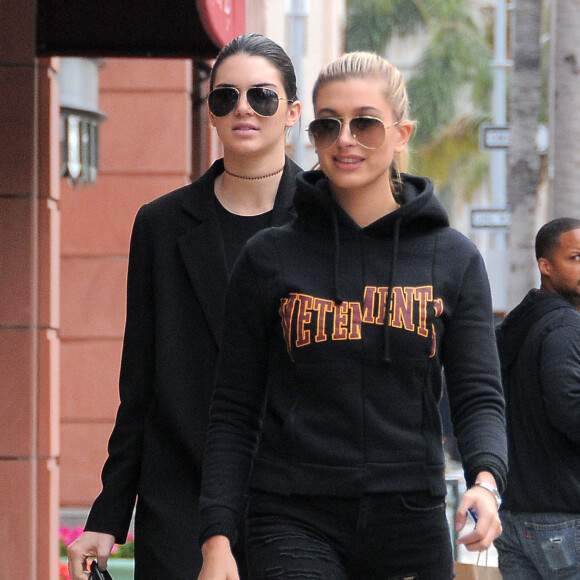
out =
column 538, row 546
column 374, row 537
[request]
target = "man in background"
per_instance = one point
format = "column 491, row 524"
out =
column 539, row 348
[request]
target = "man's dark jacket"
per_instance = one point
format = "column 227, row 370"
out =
column 539, row 349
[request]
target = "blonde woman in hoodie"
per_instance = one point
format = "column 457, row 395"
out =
column 337, row 328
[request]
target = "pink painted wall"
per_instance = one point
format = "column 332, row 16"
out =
column 29, row 273
column 145, row 151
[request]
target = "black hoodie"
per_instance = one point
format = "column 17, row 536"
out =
column 539, row 348
column 341, row 403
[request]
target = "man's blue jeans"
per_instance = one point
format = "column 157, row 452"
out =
column 539, row 546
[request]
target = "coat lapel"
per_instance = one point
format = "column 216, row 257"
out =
column 282, row 211
column 202, row 250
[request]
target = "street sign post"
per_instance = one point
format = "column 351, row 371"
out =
column 494, row 137
column 491, row 218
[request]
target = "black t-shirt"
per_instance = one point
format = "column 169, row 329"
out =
column 238, row 229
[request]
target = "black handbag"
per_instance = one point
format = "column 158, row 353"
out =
column 97, row 574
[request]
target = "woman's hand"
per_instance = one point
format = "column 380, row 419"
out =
column 483, row 504
column 94, row 545
column 218, row 560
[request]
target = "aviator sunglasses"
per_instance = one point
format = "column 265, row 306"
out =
column 369, row 132
column 263, row 101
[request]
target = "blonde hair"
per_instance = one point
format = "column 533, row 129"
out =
column 368, row 65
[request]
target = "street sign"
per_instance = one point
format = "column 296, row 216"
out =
column 490, row 218
column 493, row 137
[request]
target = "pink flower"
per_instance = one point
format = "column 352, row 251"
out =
column 67, row 535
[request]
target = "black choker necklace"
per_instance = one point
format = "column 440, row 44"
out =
column 254, row 178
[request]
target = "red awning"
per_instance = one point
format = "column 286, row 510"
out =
column 140, row 28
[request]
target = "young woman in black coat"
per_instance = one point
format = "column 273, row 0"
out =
column 183, row 246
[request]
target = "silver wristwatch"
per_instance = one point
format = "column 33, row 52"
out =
column 493, row 490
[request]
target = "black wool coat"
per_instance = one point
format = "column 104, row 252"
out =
column 176, row 284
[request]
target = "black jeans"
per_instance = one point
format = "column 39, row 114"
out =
column 375, row 537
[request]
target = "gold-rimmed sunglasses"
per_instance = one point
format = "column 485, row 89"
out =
column 369, row 132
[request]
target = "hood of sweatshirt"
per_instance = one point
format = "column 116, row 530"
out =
column 419, row 206
column 512, row 332
column 419, row 210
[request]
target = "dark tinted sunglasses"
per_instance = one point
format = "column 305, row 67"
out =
column 369, row 132
column 263, row 101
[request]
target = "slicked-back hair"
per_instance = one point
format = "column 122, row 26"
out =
column 257, row 45
column 548, row 236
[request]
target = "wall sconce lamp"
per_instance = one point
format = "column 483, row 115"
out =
column 79, row 119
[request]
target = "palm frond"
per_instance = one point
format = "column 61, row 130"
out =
column 372, row 23
column 441, row 74
column 452, row 158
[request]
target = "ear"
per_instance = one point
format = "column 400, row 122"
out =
column 405, row 129
column 211, row 118
column 293, row 114
column 545, row 267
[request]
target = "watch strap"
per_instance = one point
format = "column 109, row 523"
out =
column 492, row 489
